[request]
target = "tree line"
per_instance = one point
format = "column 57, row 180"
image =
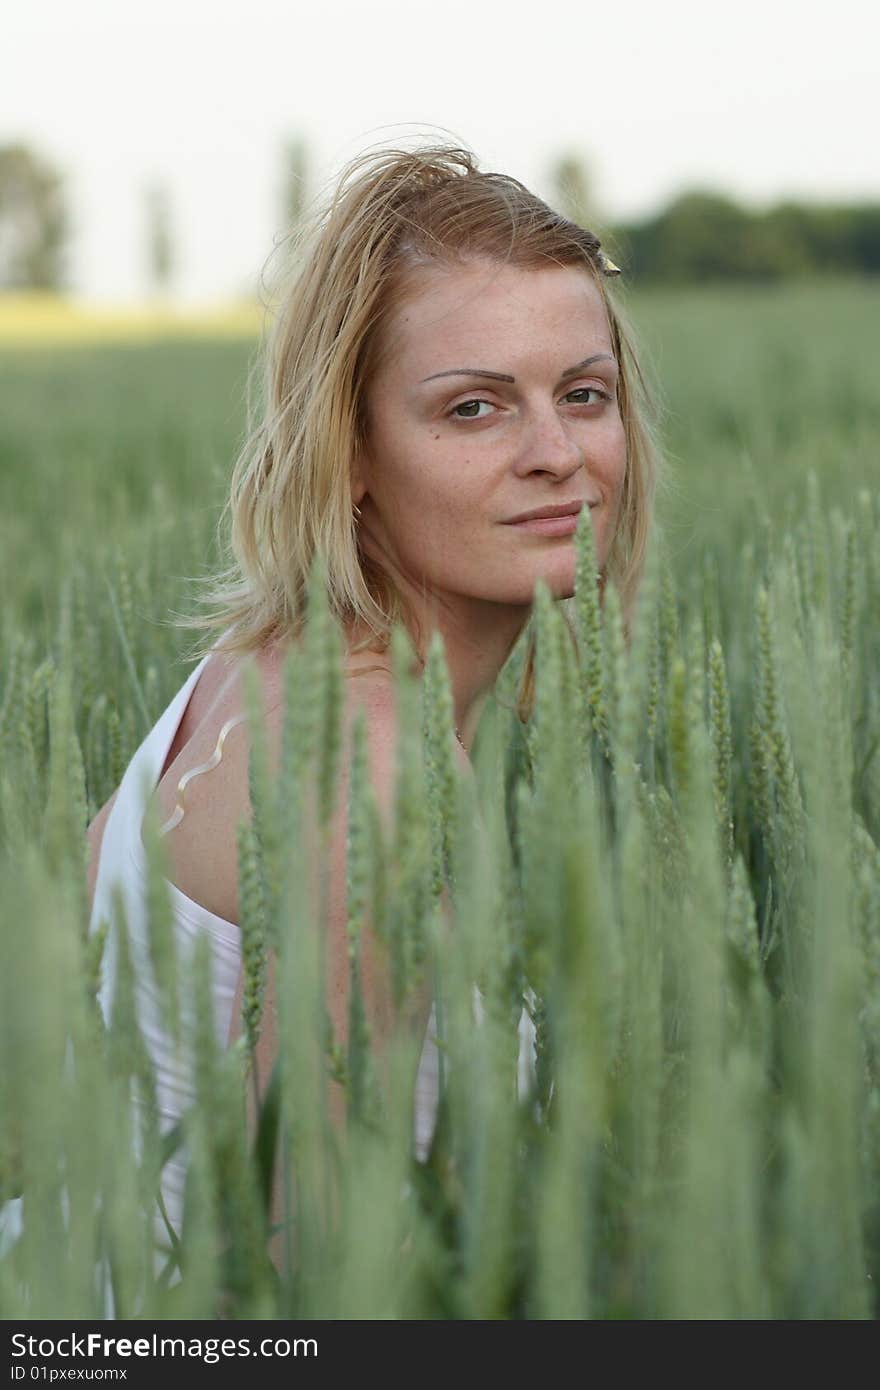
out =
column 703, row 235
column 700, row 235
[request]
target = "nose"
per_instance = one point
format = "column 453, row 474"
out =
column 552, row 445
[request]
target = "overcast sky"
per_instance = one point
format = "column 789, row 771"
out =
column 761, row 98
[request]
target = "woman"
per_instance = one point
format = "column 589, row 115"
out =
column 447, row 358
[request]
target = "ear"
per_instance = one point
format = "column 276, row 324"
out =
column 358, row 478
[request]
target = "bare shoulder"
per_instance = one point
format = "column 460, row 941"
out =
column 372, row 695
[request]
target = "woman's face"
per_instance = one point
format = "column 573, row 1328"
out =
column 454, row 452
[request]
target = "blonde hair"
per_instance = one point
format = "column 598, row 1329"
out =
column 351, row 264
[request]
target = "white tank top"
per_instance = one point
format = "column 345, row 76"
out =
column 123, row 862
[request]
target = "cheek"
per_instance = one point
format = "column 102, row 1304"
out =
column 612, row 455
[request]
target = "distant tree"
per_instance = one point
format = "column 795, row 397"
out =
column 573, row 189
column 573, row 196
column 846, row 237
column 160, row 239
column 864, row 236
column 788, row 237
column 703, row 235
column 294, row 181
column 33, row 222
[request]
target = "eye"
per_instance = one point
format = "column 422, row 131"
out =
column 461, row 405
column 579, row 390
column 603, row 395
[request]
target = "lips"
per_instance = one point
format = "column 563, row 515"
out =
column 541, row 513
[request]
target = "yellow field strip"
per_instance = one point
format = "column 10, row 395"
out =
column 44, row 320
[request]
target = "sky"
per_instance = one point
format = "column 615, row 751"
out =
column 761, row 99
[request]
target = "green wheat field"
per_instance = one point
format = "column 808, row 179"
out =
column 676, row 863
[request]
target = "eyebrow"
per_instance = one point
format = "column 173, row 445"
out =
column 502, row 376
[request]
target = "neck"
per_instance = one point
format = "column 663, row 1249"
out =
column 477, row 645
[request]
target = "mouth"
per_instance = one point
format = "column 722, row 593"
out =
column 560, row 509
column 552, row 521
column 549, row 525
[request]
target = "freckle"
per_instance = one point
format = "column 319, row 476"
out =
column 436, row 436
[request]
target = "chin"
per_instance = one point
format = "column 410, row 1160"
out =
column 560, row 586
